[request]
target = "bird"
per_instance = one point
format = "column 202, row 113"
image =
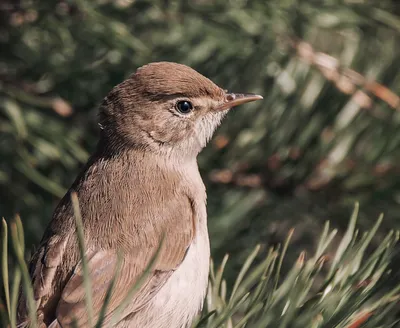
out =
column 141, row 197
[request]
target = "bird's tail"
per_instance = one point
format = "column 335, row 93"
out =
column 27, row 324
column 54, row 324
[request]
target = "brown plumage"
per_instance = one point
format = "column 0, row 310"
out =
column 142, row 183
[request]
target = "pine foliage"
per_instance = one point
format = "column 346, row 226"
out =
column 325, row 136
column 350, row 290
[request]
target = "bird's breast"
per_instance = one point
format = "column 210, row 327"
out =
column 184, row 292
column 181, row 298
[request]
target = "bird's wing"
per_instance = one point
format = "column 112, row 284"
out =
column 102, row 270
column 44, row 269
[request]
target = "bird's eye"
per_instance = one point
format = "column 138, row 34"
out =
column 184, row 107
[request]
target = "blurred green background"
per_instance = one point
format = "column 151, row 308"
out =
column 327, row 133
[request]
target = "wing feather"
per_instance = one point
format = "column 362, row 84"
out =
column 68, row 303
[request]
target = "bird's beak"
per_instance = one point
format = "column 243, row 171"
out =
column 235, row 99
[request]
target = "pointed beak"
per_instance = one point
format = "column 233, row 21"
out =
column 235, row 99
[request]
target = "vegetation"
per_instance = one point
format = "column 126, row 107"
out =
column 351, row 292
column 325, row 136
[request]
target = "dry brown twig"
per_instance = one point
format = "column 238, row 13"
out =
column 346, row 80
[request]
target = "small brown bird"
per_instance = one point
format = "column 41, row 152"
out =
column 141, row 185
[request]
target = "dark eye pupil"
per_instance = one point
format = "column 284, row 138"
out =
column 184, row 107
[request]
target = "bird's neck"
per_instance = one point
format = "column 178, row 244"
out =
column 167, row 157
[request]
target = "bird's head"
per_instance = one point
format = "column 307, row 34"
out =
column 166, row 108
